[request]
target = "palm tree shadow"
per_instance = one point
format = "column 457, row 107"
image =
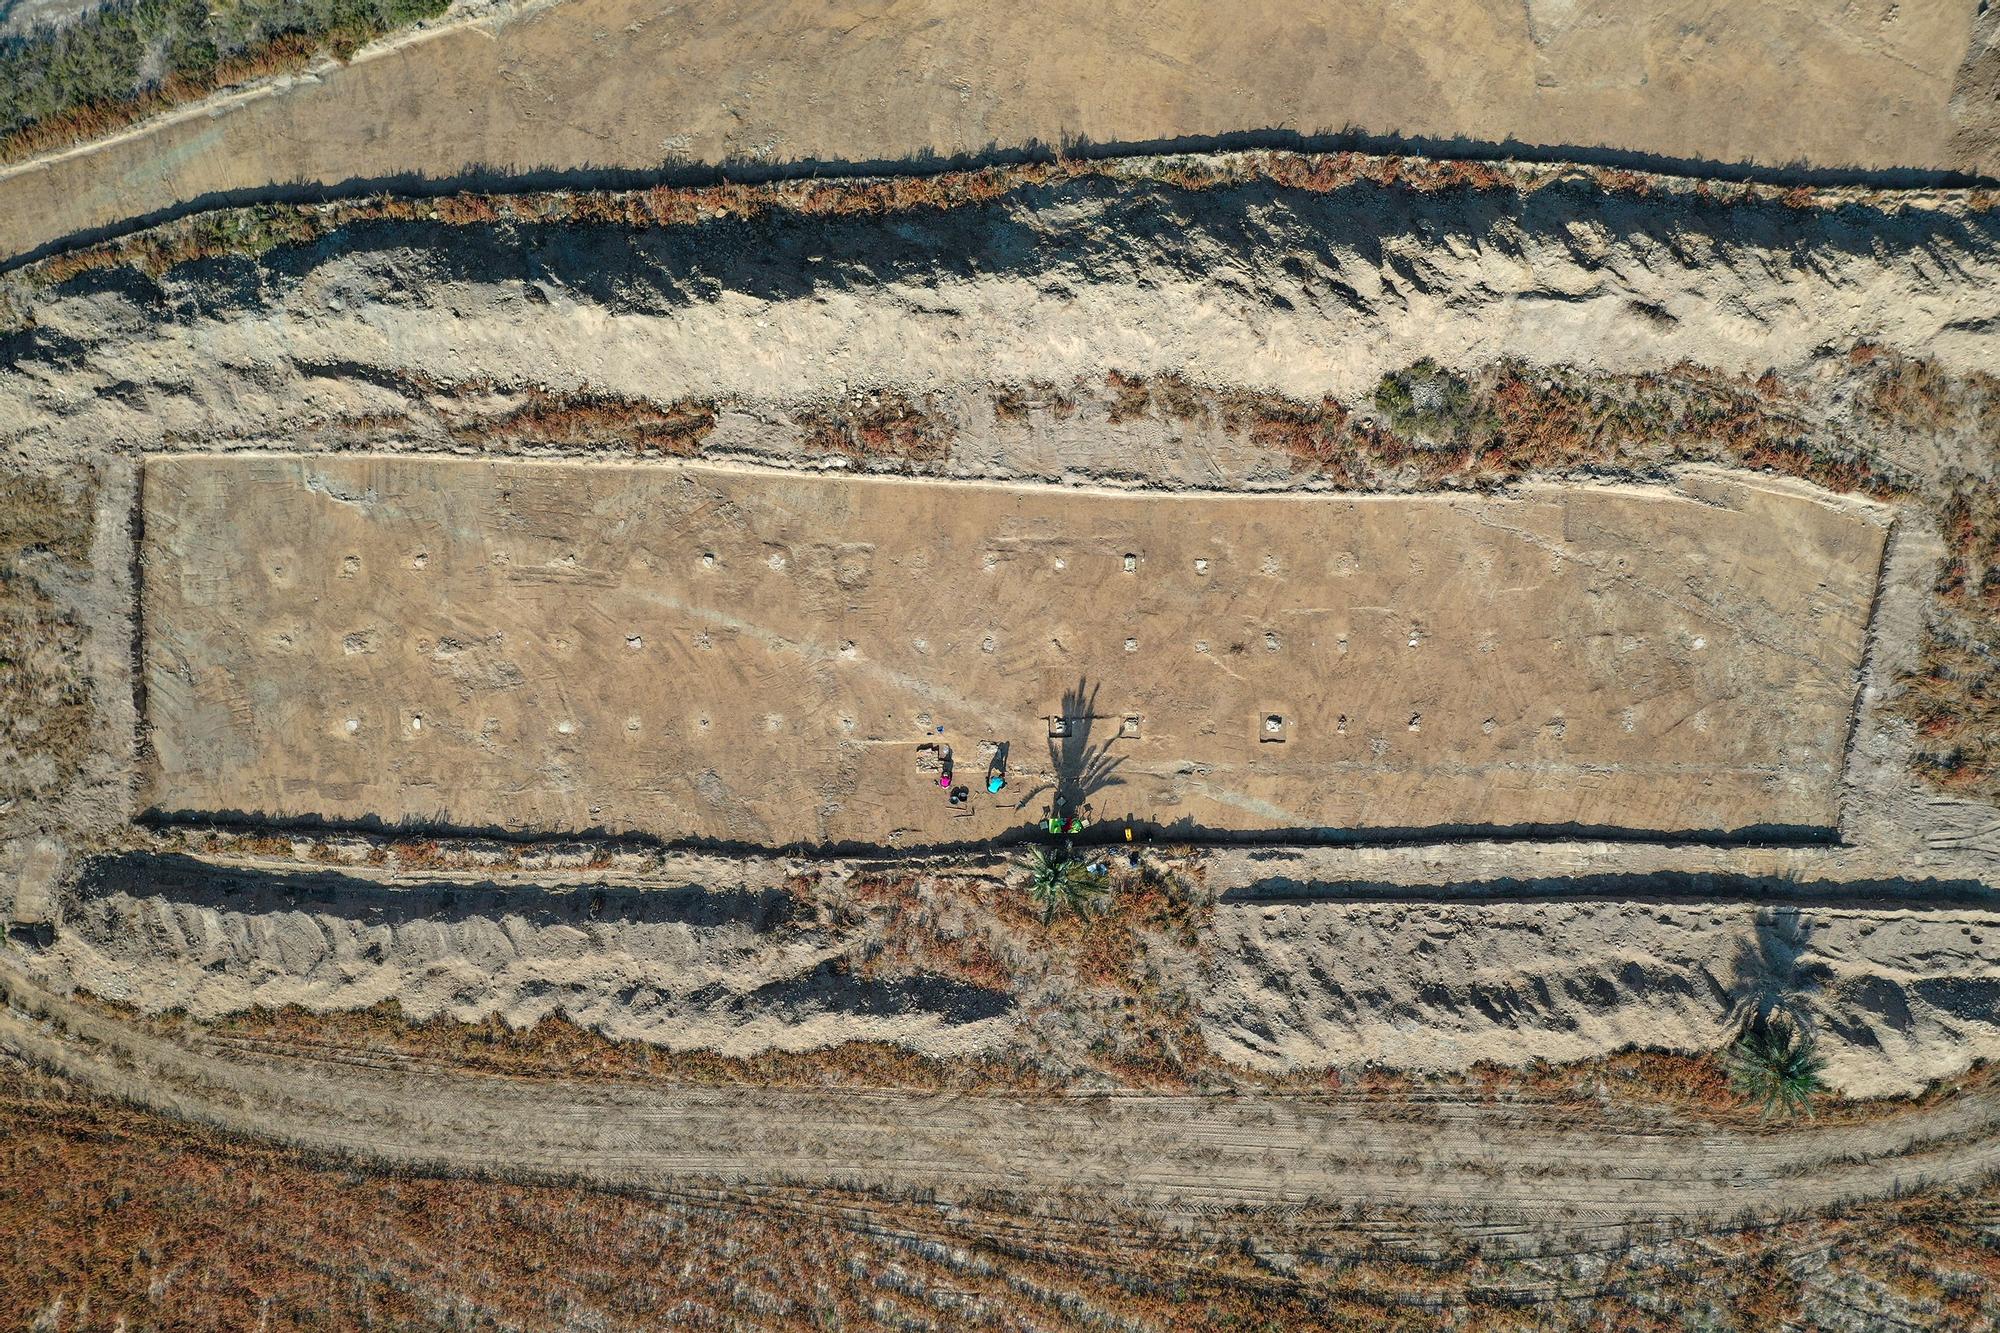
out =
column 1080, row 769
column 1773, row 975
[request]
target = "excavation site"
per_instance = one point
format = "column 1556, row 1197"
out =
column 1015, row 702
column 774, row 660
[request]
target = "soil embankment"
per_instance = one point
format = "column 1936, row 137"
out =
column 1896, row 995
column 590, row 88
column 1531, row 1171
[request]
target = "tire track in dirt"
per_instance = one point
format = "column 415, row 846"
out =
column 1524, row 1168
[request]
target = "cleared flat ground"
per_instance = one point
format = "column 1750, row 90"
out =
column 760, row 657
column 586, row 85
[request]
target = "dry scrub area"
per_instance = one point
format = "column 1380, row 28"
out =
column 117, row 1218
column 45, row 528
column 117, row 63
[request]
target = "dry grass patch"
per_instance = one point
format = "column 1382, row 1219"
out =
column 1511, row 420
column 931, row 924
column 256, row 229
column 487, row 414
column 556, row 1048
column 119, row 1218
column 882, row 424
column 1015, row 403
column 1953, row 697
column 45, row 705
column 591, row 420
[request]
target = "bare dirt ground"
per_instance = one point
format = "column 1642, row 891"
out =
column 1171, row 336
column 1897, row 978
column 1082, row 343
column 595, row 85
column 771, row 659
column 1527, row 1172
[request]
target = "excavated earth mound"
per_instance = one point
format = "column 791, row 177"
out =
column 1293, row 291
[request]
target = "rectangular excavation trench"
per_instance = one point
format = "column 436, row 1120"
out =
column 713, row 654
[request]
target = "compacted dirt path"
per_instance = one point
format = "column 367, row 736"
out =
column 1520, row 1167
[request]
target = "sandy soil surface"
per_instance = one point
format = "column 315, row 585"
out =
column 1897, row 979
column 766, row 658
column 591, row 85
column 1301, row 293
column 1529, row 1171
column 1899, row 997
column 721, row 960
column 357, row 341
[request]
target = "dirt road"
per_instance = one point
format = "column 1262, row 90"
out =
column 1531, row 1169
column 588, row 86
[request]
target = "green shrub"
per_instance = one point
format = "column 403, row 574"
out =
column 1775, row 1064
column 108, row 55
column 1427, row 400
column 1059, row 882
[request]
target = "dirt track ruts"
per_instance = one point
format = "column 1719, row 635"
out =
column 1179, row 1155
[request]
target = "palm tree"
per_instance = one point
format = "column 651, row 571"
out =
column 1058, row 881
column 1775, row 1064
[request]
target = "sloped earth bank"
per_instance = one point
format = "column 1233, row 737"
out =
column 412, row 334
column 1120, row 330
column 1897, row 997
column 946, row 966
column 577, row 91
column 1528, row 1172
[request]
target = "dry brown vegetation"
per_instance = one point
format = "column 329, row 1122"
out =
column 45, row 709
column 590, row 420
column 878, row 424
column 96, row 119
column 117, row 1218
column 501, row 417
column 1015, row 403
column 255, row 229
column 559, row 1049
column 1512, row 420
column 112, row 65
column 1953, row 697
column 1109, row 995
